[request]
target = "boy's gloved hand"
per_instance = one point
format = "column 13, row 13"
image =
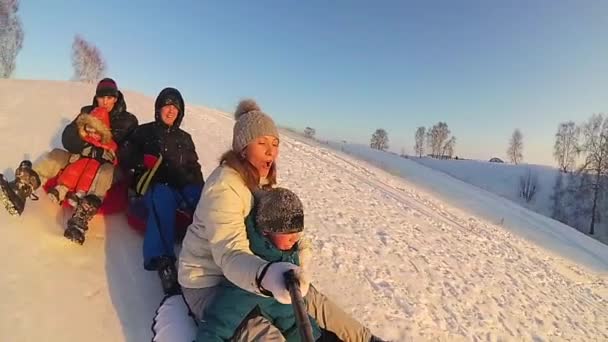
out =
column 109, row 156
column 98, row 153
column 149, row 161
column 274, row 281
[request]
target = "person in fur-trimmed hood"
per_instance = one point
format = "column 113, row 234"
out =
column 29, row 177
column 83, row 174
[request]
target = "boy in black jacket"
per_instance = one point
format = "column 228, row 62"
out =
column 168, row 176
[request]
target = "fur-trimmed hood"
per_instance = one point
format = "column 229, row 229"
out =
column 99, row 124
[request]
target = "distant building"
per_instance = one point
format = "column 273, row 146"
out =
column 496, row 160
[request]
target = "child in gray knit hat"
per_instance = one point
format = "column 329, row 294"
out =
column 274, row 230
column 279, row 215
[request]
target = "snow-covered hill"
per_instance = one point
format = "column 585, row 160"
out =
column 404, row 262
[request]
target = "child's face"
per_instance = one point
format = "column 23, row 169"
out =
column 283, row 241
column 168, row 114
column 92, row 133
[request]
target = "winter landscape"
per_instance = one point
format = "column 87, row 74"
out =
column 482, row 218
column 399, row 252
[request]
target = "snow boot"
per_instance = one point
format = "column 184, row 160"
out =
column 14, row 194
column 57, row 194
column 377, row 339
column 74, row 198
column 54, row 196
column 78, row 224
column 168, row 275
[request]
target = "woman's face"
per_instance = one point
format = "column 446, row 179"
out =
column 283, row 241
column 262, row 152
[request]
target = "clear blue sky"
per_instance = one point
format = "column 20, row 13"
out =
column 349, row 67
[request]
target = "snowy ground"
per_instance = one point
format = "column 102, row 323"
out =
column 541, row 230
column 503, row 180
column 401, row 260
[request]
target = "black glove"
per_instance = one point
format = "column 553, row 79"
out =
column 98, row 153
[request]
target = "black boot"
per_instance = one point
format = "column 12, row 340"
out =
column 54, row 196
column 168, row 275
column 73, row 199
column 78, row 224
column 14, row 194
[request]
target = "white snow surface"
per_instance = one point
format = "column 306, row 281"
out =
column 493, row 204
column 504, row 180
column 392, row 251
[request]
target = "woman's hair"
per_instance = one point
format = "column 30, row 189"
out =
column 248, row 172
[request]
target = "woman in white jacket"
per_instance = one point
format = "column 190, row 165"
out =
column 216, row 246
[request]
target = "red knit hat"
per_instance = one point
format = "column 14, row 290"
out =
column 106, row 87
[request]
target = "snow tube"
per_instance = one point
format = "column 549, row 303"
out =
column 137, row 214
column 173, row 321
column 116, row 200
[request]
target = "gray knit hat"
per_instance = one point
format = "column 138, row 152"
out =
column 278, row 210
column 251, row 123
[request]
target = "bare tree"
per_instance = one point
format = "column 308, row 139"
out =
column 448, row 148
column 594, row 147
column 437, row 136
column 419, row 145
column 379, row 140
column 565, row 149
column 429, row 140
column 11, row 36
column 89, row 65
column 516, row 147
column 528, row 185
column 581, row 191
column 557, row 208
column 310, row 132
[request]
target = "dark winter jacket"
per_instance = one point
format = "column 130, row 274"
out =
column 180, row 166
column 122, row 124
column 232, row 306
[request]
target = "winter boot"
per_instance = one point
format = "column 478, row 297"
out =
column 57, row 194
column 168, row 275
column 377, row 339
column 54, row 196
column 78, row 224
column 14, row 194
column 75, row 198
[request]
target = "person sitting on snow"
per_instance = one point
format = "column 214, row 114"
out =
column 83, row 174
column 274, row 231
column 28, row 177
column 216, row 247
column 168, row 176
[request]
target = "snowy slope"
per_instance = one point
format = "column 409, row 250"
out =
column 548, row 233
column 503, row 180
column 408, row 265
